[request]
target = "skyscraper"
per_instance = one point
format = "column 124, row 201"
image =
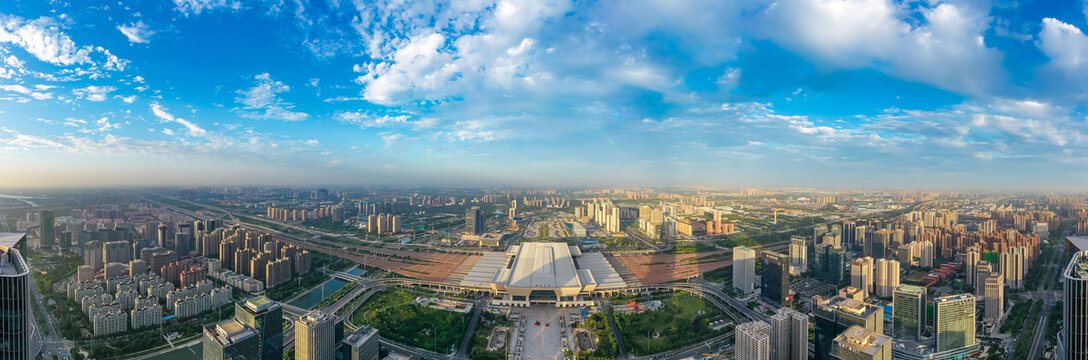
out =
column 982, row 270
column 789, row 335
column 474, row 221
column 834, row 315
column 775, row 286
column 230, row 340
column 798, row 255
column 744, row 269
column 753, row 341
column 994, row 295
column 317, row 335
column 1073, row 338
column 1012, row 266
column 830, row 263
column 360, row 345
column 15, row 325
column 861, row 274
column 954, row 321
column 908, row 312
column 858, row 343
column 886, row 276
column 265, row 317
column 974, row 254
column 46, row 229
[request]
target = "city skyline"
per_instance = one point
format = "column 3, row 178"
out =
column 854, row 93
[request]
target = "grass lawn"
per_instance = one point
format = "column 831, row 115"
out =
column 683, row 320
column 396, row 318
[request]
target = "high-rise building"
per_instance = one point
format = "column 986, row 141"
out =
column 16, row 330
column 954, row 321
column 265, row 317
column 360, row 345
column 886, row 276
column 834, row 315
column 861, row 274
column 994, row 295
column 789, row 335
column 974, row 255
column 1012, row 265
column 753, row 341
column 317, row 335
column 1073, row 338
column 908, row 312
column 982, row 270
column 830, row 263
column 798, row 255
column 775, row 285
column 858, row 343
column 46, row 229
column 744, row 269
column 474, row 221
column 230, row 340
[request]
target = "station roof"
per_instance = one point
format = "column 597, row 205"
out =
column 1079, row 242
column 543, row 265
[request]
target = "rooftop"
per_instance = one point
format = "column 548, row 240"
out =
column 361, row 335
column 863, row 340
column 229, row 332
column 10, row 240
column 911, row 289
column 543, row 265
column 260, row 303
column 1079, row 242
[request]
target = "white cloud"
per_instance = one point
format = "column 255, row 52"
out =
column 1065, row 45
column 94, row 92
column 945, row 50
column 127, row 99
column 162, row 113
column 189, row 7
column 27, row 91
column 43, row 39
column 365, row 120
column 136, row 32
column 263, row 102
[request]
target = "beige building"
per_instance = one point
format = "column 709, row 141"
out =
column 994, row 296
column 744, row 269
column 886, row 277
column 315, row 336
column 547, row 273
column 753, row 341
column 789, row 335
column 861, row 274
column 146, row 316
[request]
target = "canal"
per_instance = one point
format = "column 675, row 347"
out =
column 316, row 295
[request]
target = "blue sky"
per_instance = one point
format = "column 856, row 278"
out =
column 830, row 93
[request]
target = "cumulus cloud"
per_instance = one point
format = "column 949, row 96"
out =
column 137, row 32
column 365, row 120
column 44, row 39
column 37, row 95
column 263, row 101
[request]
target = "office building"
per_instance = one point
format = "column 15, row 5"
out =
column 954, row 321
column 775, row 284
column 994, row 297
column 1073, row 337
column 16, row 329
column 789, row 335
column 830, row 262
column 886, row 277
column 798, row 256
column 317, row 335
column 474, row 221
column 744, row 269
column 360, row 345
column 858, row 343
column 46, row 229
column 908, row 312
column 834, row 315
column 753, row 341
column 230, row 340
column 861, row 274
column 265, row 317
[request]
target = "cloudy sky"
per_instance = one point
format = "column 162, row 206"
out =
column 831, row 93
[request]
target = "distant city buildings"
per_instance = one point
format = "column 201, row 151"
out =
column 335, row 213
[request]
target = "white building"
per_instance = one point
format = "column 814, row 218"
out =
column 753, row 341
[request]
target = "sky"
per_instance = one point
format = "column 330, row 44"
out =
column 970, row 94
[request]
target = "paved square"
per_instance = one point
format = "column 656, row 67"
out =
column 544, row 342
